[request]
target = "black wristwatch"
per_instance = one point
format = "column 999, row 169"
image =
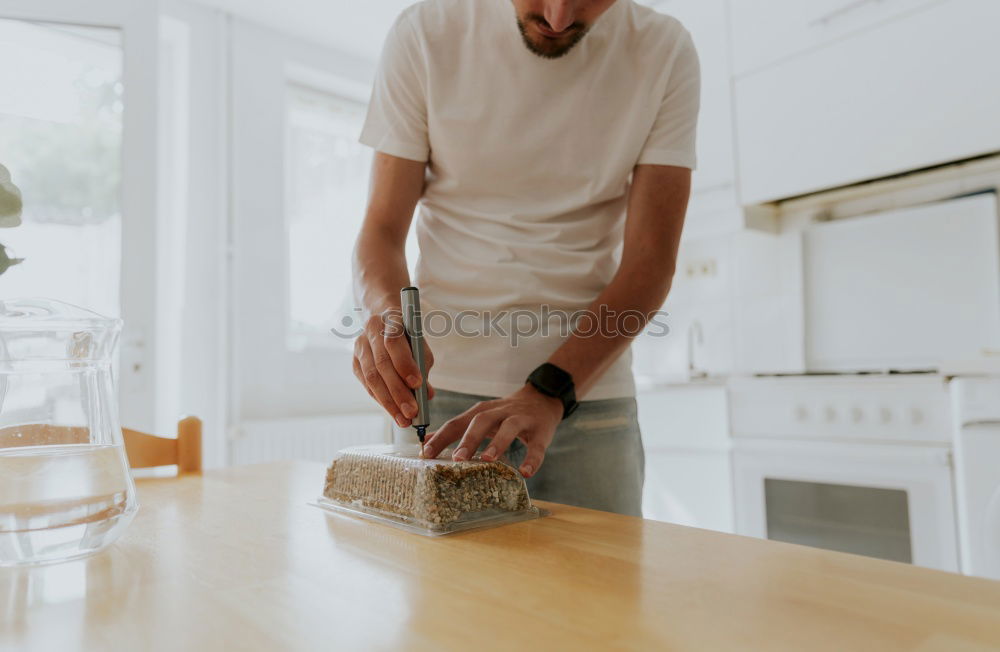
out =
column 557, row 383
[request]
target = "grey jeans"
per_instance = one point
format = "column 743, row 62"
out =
column 595, row 459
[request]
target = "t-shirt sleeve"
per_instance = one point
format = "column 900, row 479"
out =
column 673, row 137
column 396, row 123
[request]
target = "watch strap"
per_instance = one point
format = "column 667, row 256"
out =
column 556, row 382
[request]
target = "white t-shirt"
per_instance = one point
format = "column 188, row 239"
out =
column 529, row 164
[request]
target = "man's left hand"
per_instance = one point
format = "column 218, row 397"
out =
column 527, row 414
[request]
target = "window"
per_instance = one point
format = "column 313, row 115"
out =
column 326, row 186
column 60, row 137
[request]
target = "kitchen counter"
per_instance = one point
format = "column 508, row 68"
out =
column 647, row 384
column 984, row 366
column 236, row 559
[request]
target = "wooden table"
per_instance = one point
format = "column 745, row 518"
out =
column 236, row 559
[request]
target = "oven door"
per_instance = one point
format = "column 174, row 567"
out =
column 885, row 501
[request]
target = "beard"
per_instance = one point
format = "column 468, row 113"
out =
column 550, row 48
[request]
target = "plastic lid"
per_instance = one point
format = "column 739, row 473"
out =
column 45, row 329
column 429, row 496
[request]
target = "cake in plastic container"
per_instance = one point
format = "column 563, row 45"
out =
column 394, row 485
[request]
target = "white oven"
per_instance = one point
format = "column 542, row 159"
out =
column 855, row 464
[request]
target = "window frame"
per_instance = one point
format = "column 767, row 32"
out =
column 138, row 23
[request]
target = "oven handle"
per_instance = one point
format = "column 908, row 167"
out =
column 982, row 423
column 840, row 12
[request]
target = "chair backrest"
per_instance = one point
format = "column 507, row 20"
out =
column 144, row 451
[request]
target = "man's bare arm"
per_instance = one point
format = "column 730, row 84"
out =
column 656, row 207
column 382, row 361
column 657, row 204
column 380, row 253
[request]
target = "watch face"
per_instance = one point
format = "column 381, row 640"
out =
column 553, row 379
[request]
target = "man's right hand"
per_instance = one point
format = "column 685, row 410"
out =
column 385, row 366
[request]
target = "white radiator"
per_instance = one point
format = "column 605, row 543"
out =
column 306, row 438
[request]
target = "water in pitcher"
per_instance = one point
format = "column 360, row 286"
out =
column 59, row 502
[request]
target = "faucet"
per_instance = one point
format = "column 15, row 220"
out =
column 694, row 331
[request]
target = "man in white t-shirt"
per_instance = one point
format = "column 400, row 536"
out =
column 549, row 145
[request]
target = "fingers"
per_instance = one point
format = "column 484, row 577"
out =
column 533, row 460
column 398, row 347
column 369, row 375
column 356, row 367
column 482, row 426
column 402, row 359
column 509, row 430
column 429, row 360
column 402, row 396
column 452, row 430
column 428, row 355
column 384, row 364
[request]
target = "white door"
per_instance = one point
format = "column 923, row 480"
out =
column 885, row 501
column 78, row 134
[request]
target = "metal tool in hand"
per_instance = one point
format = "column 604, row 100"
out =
column 410, row 302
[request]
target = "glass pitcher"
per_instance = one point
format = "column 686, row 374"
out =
column 65, row 486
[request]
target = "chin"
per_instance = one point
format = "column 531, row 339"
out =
column 548, row 48
column 545, row 47
column 543, row 44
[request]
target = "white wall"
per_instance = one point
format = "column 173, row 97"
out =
column 349, row 26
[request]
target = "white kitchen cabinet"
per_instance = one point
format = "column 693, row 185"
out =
column 685, row 432
column 898, row 95
column 706, row 21
column 765, row 33
column 685, row 416
column 692, row 488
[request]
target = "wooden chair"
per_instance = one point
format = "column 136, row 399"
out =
column 144, row 451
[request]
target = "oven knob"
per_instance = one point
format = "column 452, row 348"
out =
column 885, row 415
column 857, row 415
column 801, row 413
column 830, row 414
column 917, row 416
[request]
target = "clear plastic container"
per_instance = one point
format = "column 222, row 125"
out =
column 65, row 486
column 393, row 485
